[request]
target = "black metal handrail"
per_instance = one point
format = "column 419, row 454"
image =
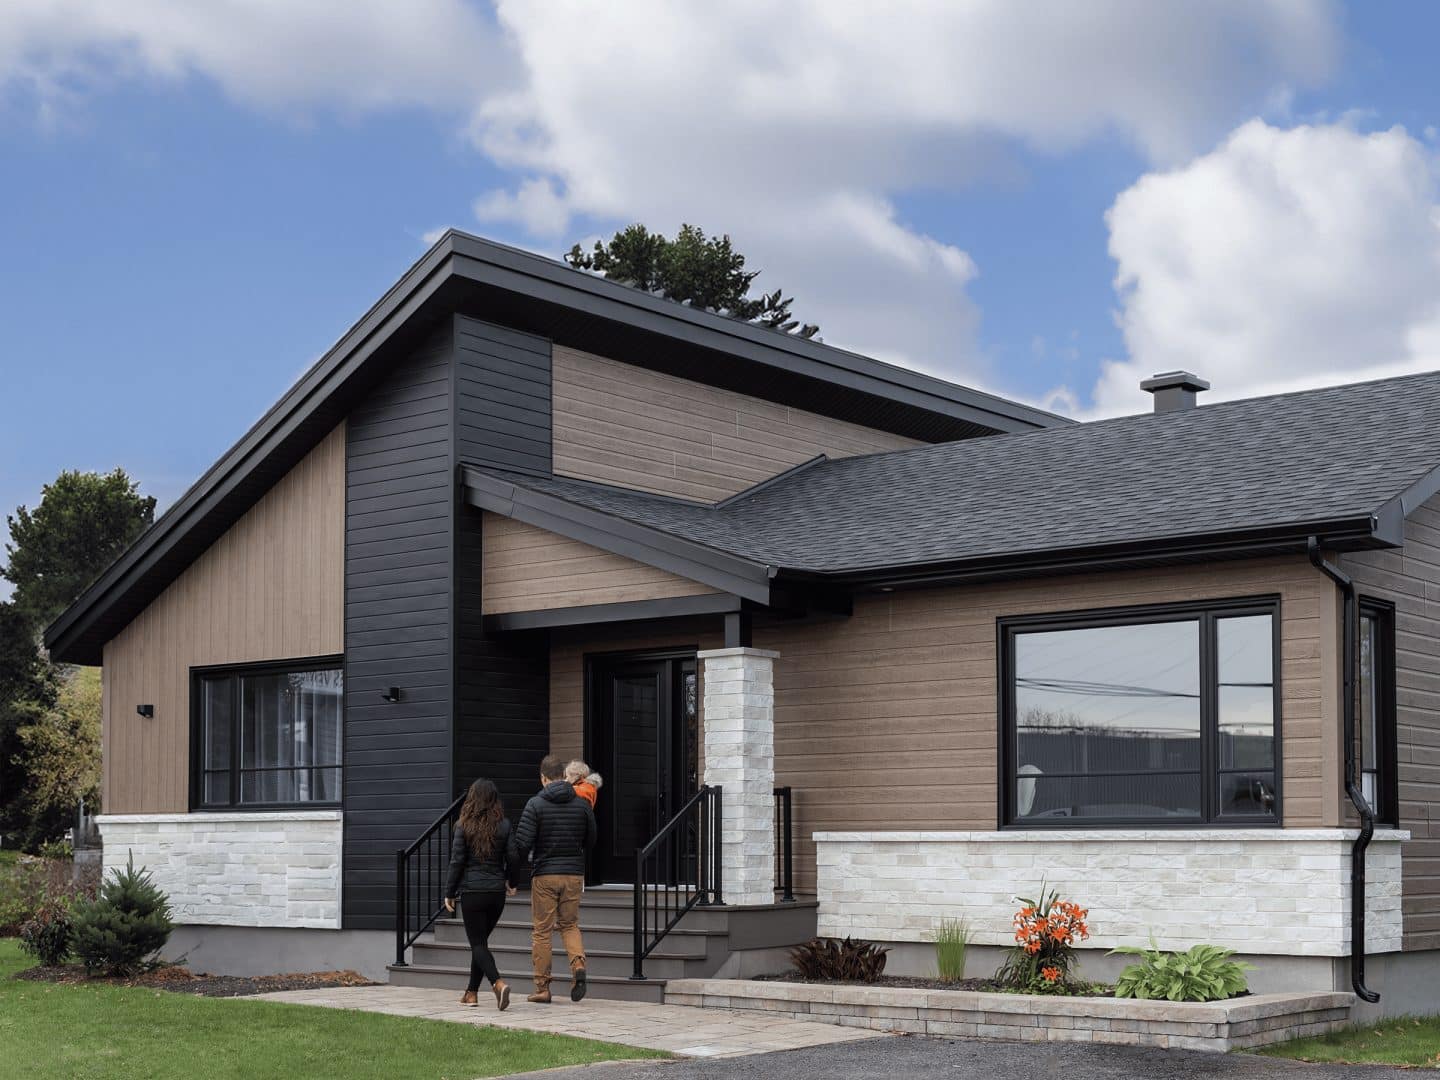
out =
column 784, row 845
column 420, row 871
column 677, row 870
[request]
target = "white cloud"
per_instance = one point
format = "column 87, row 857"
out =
column 1284, row 258
column 794, row 129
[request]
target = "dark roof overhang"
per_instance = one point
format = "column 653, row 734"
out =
column 723, row 571
column 466, row 274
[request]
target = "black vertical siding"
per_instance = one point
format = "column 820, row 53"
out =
column 502, row 688
column 502, row 397
column 399, row 552
column 471, row 705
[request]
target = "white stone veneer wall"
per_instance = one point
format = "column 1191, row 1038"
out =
column 739, row 735
column 1280, row 891
column 278, row 868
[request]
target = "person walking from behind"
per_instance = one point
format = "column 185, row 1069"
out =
column 557, row 828
column 481, row 878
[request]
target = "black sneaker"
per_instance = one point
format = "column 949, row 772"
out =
column 577, row 984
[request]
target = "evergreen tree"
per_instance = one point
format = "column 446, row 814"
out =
column 705, row 272
column 128, row 923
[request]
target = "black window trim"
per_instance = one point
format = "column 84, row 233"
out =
column 1207, row 611
column 1387, row 764
column 197, row 720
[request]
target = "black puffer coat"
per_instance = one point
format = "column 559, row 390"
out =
column 470, row 873
column 558, row 827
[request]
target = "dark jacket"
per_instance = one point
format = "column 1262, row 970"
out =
column 470, row 873
column 558, row 828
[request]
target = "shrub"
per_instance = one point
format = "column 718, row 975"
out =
column 951, row 941
column 1201, row 973
column 1046, row 931
column 832, row 959
column 129, row 922
column 47, row 933
column 56, row 849
column 22, row 890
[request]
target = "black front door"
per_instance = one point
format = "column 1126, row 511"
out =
column 642, row 737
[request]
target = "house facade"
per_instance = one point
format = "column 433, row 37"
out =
column 519, row 509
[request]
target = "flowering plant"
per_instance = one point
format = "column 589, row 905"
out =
column 1046, row 932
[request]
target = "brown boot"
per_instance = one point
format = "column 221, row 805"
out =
column 539, row 997
column 502, row 995
column 468, row 998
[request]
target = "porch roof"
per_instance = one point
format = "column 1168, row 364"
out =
column 1346, row 463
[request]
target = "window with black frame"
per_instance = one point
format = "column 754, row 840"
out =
column 1142, row 716
column 268, row 736
column 1377, row 733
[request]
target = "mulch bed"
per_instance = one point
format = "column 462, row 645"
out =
column 921, row 983
column 182, row 980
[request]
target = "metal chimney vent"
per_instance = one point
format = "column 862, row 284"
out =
column 1174, row 390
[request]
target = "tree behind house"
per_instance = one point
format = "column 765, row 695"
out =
column 705, row 272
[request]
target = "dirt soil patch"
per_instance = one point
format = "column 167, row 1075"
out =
column 988, row 986
column 181, row 980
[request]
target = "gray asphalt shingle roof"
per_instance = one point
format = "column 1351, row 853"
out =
column 1292, row 459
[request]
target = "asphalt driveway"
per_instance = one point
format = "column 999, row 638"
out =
column 917, row 1058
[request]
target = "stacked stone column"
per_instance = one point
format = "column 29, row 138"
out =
column 739, row 724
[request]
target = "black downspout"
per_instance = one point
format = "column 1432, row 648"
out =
column 1351, row 630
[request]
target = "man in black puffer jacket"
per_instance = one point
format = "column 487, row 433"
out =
column 558, row 828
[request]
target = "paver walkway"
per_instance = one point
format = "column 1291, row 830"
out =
column 689, row 1032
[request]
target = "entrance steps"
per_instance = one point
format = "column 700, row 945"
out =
column 706, row 941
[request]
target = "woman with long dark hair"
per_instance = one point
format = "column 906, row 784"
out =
column 481, row 878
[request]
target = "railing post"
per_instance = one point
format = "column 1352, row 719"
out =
column 400, row 919
column 639, row 887
column 788, row 896
column 717, row 893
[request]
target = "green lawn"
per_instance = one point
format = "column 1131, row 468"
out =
column 1403, row 1041
column 104, row 1031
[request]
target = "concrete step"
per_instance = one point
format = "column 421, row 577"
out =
column 682, row 941
column 604, row 987
column 601, row 961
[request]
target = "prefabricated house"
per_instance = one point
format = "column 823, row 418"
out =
column 856, row 649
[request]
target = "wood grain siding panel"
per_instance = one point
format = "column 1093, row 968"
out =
column 502, row 397
column 399, row 558
column 532, row 569
column 624, row 425
column 270, row 588
column 1410, row 579
column 888, row 719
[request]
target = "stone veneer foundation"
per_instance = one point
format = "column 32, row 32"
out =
column 278, row 869
column 1271, row 891
column 1216, row 1026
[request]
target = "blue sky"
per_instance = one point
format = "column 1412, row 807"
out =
column 195, row 208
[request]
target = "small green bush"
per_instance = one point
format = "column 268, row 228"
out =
column 56, row 849
column 951, row 940
column 22, row 890
column 1201, row 973
column 129, row 922
column 46, row 934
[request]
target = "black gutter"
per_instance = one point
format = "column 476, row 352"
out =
column 1351, row 629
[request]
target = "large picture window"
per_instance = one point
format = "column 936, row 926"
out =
column 268, row 736
column 1142, row 716
column 1377, row 734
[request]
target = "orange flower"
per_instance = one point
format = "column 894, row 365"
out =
column 1050, row 974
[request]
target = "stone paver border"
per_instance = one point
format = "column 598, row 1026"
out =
column 685, row 1032
column 1257, row 1020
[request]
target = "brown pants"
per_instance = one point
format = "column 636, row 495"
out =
column 555, row 905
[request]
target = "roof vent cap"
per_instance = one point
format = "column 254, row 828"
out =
column 1174, row 390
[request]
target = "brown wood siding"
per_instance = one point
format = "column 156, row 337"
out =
column 619, row 424
column 888, row 719
column 531, row 569
column 1410, row 579
column 271, row 588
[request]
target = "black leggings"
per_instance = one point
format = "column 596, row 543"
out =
column 481, row 911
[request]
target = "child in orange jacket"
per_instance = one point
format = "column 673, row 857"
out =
column 587, row 784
